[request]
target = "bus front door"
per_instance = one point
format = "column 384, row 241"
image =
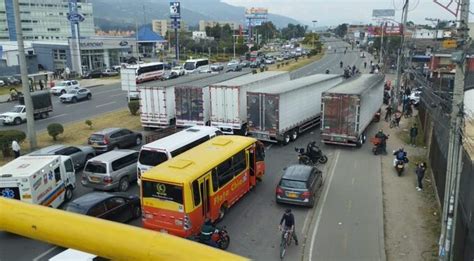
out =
column 252, row 166
column 205, row 190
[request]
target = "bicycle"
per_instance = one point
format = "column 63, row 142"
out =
column 286, row 238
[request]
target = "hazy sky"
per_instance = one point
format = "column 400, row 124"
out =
column 333, row 12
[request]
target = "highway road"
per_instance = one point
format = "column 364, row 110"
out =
column 345, row 224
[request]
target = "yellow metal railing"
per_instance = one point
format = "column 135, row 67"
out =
column 100, row 237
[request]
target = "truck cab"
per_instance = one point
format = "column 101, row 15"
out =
column 16, row 115
column 42, row 180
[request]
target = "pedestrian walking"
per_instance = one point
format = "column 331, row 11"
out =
column 398, row 117
column 413, row 134
column 420, row 174
column 388, row 113
column 16, row 148
column 365, row 65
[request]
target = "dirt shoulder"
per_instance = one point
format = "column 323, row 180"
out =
column 411, row 217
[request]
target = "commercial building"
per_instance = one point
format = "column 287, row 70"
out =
column 162, row 26
column 43, row 20
column 203, row 24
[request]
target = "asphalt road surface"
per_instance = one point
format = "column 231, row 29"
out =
column 345, row 224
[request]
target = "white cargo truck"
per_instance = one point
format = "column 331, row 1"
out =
column 43, row 180
column 157, row 101
column 229, row 99
column 193, row 105
column 280, row 112
column 128, row 77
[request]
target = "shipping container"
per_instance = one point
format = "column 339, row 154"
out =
column 229, row 99
column 157, row 100
column 279, row 113
column 349, row 108
column 193, row 105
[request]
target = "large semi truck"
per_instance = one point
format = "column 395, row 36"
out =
column 193, row 102
column 280, row 112
column 229, row 100
column 349, row 108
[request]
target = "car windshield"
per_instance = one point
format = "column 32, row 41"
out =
column 189, row 65
column 96, row 167
column 16, row 109
column 296, row 184
column 72, row 92
column 76, row 208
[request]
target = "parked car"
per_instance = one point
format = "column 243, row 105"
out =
column 217, row 67
column 168, row 75
column 233, row 63
column 205, row 69
column 76, row 95
column 245, row 63
column 2, row 83
column 13, row 80
column 109, row 73
column 280, row 59
column 65, row 86
column 79, row 154
column 114, row 170
column 93, row 74
column 179, row 70
column 299, row 185
column 269, row 61
column 234, row 67
column 114, row 138
column 117, row 207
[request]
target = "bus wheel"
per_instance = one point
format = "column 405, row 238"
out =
column 222, row 212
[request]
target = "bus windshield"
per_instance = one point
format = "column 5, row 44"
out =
column 163, row 191
column 152, row 157
column 190, row 65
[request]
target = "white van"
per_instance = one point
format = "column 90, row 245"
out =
column 157, row 152
column 43, row 180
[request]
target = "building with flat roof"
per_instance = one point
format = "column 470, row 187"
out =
column 203, row 24
column 162, row 26
column 44, row 20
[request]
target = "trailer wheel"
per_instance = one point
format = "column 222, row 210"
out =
column 360, row 141
column 286, row 139
column 294, row 135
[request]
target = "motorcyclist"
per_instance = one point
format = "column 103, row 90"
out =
column 207, row 230
column 327, row 71
column 400, row 154
column 313, row 151
column 383, row 140
column 287, row 222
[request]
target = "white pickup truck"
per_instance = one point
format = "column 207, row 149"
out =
column 64, row 87
column 42, row 106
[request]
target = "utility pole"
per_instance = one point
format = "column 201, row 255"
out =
column 314, row 31
column 381, row 44
column 454, row 165
column 396, row 96
column 30, row 120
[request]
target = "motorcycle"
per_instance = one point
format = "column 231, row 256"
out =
column 399, row 167
column 378, row 148
column 313, row 157
column 220, row 238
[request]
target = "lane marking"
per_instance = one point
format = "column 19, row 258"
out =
column 113, row 90
column 45, row 253
column 57, row 116
column 105, row 104
column 318, row 219
column 119, row 94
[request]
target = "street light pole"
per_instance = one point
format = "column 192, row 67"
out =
column 314, row 31
column 396, row 96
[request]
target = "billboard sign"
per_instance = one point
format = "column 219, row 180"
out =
column 175, row 9
column 256, row 11
column 383, row 13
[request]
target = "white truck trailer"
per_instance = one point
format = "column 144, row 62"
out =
column 279, row 113
column 193, row 105
column 43, row 180
column 229, row 99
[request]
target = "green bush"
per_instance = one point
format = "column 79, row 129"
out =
column 54, row 129
column 133, row 106
column 89, row 123
column 6, row 139
column 254, row 71
column 278, row 66
column 262, row 69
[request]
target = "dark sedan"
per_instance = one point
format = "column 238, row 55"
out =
column 111, row 206
column 299, row 185
column 93, row 74
column 114, row 138
column 168, row 75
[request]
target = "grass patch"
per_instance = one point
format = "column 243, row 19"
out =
column 76, row 133
column 6, row 89
column 404, row 135
column 302, row 61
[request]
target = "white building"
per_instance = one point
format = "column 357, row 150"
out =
column 162, row 26
column 198, row 35
column 44, row 19
column 203, row 24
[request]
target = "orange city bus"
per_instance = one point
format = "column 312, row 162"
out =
column 202, row 182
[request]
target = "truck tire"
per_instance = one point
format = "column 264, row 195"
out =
column 17, row 121
column 68, row 194
column 123, row 184
column 74, row 99
column 286, row 139
column 294, row 134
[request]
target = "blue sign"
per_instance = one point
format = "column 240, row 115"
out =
column 75, row 17
column 175, row 24
column 175, row 9
column 8, row 193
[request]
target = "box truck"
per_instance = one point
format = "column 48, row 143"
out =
column 229, row 99
column 193, row 105
column 349, row 108
column 280, row 112
column 43, row 180
column 42, row 106
column 157, row 101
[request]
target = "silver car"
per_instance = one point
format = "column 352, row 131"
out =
column 79, row 154
column 76, row 95
column 114, row 170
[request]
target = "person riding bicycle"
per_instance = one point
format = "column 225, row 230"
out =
column 383, row 139
column 287, row 222
column 400, row 154
column 207, row 230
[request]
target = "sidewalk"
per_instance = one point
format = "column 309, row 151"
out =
column 411, row 217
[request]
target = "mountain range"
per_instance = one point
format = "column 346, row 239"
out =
column 121, row 14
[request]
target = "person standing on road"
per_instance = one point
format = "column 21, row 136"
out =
column 287, row 222
column 16, row 148
column 420, row 174
column 388, row 113
column 365, row 65
column 413, row 134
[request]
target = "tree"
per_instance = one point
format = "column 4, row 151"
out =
column 89, row 123
column 6, row 139
column 341, row 30
column 268, row 31
column 54, row 129
column 293, row 31
column 134, row 106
